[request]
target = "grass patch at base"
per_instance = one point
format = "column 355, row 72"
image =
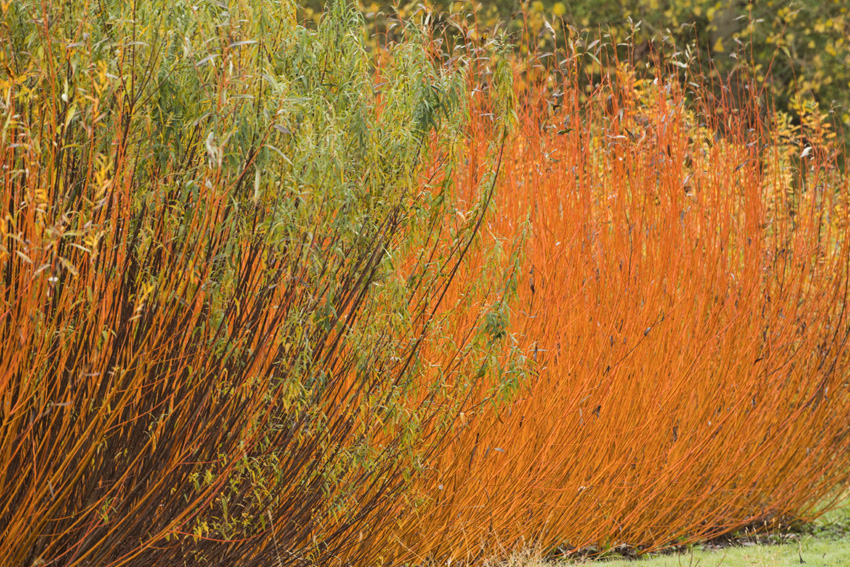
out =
column 826, row 543
column 813, row 550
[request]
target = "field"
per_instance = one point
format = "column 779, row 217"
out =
column 288, row 292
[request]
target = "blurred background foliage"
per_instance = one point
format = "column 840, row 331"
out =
column 798, row 50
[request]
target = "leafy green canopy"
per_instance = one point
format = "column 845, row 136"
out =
column 795, row 48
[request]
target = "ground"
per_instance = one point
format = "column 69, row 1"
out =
column 825, row 544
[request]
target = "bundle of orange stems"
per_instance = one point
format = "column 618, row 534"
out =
column 680, row 303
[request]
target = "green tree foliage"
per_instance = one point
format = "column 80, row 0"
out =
column 792, row 47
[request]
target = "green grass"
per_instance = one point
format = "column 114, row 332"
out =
column 814, row 550
column 826, row 543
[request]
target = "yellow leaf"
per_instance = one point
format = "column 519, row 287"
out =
column 68, row 266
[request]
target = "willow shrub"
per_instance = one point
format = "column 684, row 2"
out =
column 681, row 298
column 203, row 212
